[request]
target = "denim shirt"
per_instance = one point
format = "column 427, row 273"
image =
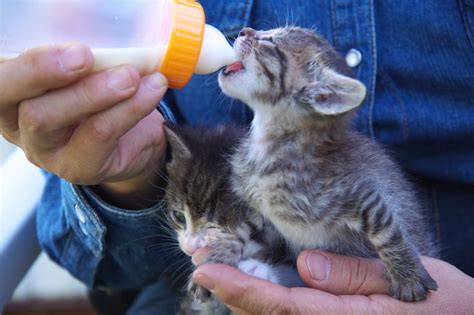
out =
column 416, row 59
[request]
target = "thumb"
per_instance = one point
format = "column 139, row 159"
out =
column 241, row 292
column 342, row 274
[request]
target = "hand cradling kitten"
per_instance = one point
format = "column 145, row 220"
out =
column 301, row 176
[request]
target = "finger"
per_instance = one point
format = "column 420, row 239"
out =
column 98, row 136
column 41, row 69
column 200, row 255
column 240, row 290
column 136, row 187
column 250, row 295
column 342, row 274
column 42, row 119
column 35, row 72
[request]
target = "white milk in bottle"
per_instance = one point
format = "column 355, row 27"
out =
column 169, row 36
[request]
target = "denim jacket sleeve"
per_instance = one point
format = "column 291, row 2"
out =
column 101, row 245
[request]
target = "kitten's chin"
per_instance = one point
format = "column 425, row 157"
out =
column 227, row 85
column 234, row 85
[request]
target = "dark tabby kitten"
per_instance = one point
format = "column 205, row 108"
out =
column 303, row 168
column 204, row 211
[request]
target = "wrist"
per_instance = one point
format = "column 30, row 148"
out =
column 141, row 191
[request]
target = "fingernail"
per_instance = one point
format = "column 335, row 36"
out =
column 72, row 58
column 119, row 79
column 203, row 280
column 155, row 81
column 318, row 266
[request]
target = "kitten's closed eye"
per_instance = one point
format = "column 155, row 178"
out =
column 266, row 41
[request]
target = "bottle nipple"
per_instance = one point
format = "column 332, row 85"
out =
column 216, row 52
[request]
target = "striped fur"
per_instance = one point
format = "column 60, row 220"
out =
column 202, row 207
column 304, row 169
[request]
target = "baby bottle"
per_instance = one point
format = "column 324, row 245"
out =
column 169, row 36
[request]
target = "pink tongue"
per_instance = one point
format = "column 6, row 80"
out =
column 233, row 67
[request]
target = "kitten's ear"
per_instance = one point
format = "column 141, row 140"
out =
column 333, row 93
column 178, row 146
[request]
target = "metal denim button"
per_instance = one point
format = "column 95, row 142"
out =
column 80, row 215
column 353, row 58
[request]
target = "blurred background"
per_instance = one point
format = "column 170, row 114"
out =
column 45, row 288
column 49, row 290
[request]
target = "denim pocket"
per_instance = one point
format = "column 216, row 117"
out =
column 229, row 16
column 467, row 11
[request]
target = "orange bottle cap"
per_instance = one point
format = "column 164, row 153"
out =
column 184, row 46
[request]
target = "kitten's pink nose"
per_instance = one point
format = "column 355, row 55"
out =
column 192, row 244
column 247, row 32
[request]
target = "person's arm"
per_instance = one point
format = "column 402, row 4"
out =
column 100, row 244
column 336, row 285
column 98, row 129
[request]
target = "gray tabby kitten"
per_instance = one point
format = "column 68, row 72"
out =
column 204, row 211
column 303, row 167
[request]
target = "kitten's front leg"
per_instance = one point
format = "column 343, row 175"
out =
column 224, row 248
column 409, row 279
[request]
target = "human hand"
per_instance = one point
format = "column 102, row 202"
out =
column 337, row 285
column 99, row 128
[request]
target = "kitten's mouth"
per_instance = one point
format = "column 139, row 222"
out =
column 233, row 68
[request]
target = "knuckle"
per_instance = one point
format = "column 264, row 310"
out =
column 358, row 277
column 68, row 172
column 291, row 306
column 231, row 297
column 102, row 129
column 82, row 92
column 138, row 109
column 11, row 137
column 32, row 116
column 30, row 58
column 32, row 156
column 34, row 63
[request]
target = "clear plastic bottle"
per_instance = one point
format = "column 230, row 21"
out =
column 169, row 36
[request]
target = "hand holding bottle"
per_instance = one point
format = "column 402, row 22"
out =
column 87, row 128
column 167, row 36
column 83, row 115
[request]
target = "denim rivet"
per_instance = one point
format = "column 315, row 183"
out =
column 80, row 215
column 353, row 58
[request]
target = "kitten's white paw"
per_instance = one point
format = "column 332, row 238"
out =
column 258, row 269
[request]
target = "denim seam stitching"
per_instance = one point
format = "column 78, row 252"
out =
column 467, row 22
column 68, row 241
column 374, row 69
